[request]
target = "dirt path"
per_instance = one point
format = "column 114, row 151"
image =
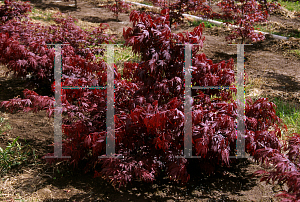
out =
column 271, row 71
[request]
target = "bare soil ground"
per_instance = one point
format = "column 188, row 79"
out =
column 272, row 72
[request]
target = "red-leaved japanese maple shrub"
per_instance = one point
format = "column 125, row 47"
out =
column 24, row 47
column 260, row 117
column 285, row 168
column 176, row 8
column 149, row 109
column 119, row 7
column 213, row 120
column 160, row 78
column 245, row 14
column 13, row 9
column 264, row 146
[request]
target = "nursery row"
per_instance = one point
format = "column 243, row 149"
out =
column 242, row 14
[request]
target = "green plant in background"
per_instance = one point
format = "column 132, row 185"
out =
column 221, row 20
column 29, row 151
column 3, row 126
column 149, row 3
column 291, row 34
column 41, row 15
column 290, row 5
column 11, row 156
column 125, row 55
column 263, row 28
column 289, row 112
column 121, row 55
column 196, row 23
column 295, row 52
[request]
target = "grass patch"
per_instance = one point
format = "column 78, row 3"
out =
column 272, row 30
column 12, row 155
column 262, row 28
column 147, row 3
column 4, row 126
column 253, row 86
column 295, row 52
column 195, row 23
column 125, row 54
column 122, row 54
column 290, row 34
column 221, row 20
column 42, row 16
column 291, row 6
column 289, row 112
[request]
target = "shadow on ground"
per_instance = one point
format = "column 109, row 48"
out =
column 218, row 187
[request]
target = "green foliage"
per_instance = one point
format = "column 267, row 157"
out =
column 290, row 5
column 295, row 52
column 289, row 112
column 11, row 156
column 196, row 23
column 125, row 55
column 121, row 55
column 147, row 3
column 221, row 20
column 292, row 33
column 3, row 126
column 43, row 18
column 41, row 15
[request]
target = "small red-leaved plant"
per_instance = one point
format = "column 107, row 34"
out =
column 119, row 7
column 245, row 14
column 176, row 9
column 286, row 167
